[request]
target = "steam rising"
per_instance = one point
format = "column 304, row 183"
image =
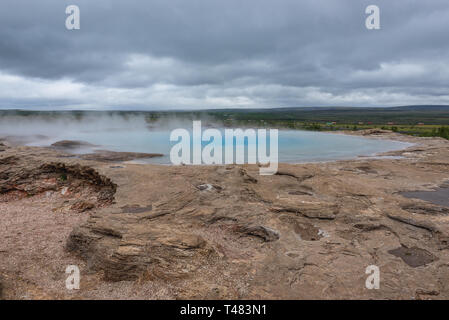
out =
column 43, row 129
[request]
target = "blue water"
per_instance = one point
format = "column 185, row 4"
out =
column 295, row 146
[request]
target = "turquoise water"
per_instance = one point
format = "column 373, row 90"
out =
column 295, row 146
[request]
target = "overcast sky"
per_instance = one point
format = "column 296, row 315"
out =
column 199, row 54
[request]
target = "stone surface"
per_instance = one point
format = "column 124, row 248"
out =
column 308, row 232
column 82, row 206
column 113, row 156
column 1, row 288
column 71, row 144
column 26, row 175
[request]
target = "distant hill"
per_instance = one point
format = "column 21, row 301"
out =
column 432, row 108
column 438, row 115
column 427, row 114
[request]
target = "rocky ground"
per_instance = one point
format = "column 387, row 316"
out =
column 222, row 232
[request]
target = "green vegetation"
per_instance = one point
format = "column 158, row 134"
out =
column 442, row 132
column 414, row 130
column 313, row 126
column 426, row 121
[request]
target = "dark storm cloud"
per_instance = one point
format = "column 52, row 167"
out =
column 216, row 53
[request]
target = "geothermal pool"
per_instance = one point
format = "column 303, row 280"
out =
column 135, row 135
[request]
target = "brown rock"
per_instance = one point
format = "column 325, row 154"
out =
column 112, row 156
column 82, row 206
column 71, row 144
column 34, row 177
column 264, row 233
column 307, row 231
column 310, row 210
column 133, row 249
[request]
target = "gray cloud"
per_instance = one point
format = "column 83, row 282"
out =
column 162, row 54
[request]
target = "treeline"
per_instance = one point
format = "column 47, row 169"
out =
column 423, row 131
column 442, row 132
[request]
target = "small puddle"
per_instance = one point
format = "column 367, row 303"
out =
column 439, row 196
column 414, row 257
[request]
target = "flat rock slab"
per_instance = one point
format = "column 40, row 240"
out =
column 71, row 144
column 113, row 156
column 136, row 208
